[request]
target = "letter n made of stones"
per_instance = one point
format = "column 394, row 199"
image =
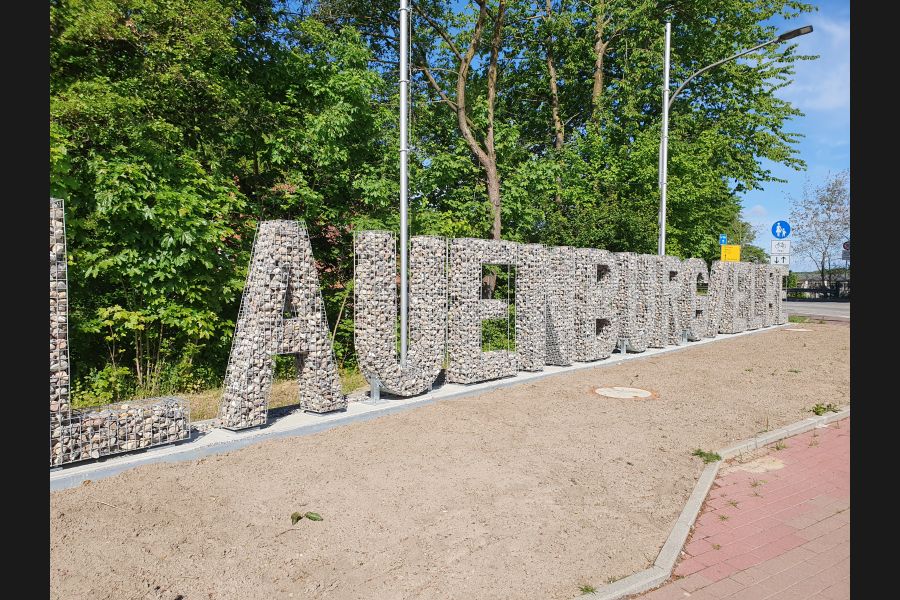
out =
column 636, row 298
column 375, row 311
column 561, row 284
column 467, row 310
column 281, row 313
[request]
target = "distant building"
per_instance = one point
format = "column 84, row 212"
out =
column 837, row 280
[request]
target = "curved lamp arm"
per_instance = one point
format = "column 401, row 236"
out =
column 716, row 64
column 788, row 35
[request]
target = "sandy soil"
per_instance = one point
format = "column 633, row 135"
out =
column 526, row 492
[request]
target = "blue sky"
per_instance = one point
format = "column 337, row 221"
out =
column 821, row 89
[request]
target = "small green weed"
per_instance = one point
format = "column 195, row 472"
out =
column 820, row 409
column 309, row 515
column 587, row 589
column 779, row 445
column 723, row 517
column 798, row 319
column 707, row 457
column 717, row 546
column 733, row 503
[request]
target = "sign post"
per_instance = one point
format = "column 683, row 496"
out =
column 781, row 229
column 731, row 252
column 781, row 252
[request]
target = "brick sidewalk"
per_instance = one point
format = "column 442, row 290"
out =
column 774, row 527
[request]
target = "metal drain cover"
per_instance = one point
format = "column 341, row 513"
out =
column 623, row 392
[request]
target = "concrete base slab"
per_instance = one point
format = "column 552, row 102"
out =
column 218, row 440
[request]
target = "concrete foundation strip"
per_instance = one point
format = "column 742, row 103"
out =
column 219, row 441
column 661, row 570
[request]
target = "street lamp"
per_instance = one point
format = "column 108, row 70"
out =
column 667, row 104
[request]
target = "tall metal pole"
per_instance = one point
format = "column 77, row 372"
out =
column 667, row 104
column 404, row 174
column 664, row 152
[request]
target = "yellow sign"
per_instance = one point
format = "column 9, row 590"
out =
column 731, row 252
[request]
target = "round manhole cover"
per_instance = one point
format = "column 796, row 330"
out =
column 623, row 392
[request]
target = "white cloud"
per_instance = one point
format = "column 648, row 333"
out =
column 822, row 84
column 758, row 210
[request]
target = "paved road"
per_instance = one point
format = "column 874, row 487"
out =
column 839, row 310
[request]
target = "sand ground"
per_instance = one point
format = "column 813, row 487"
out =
column 525, row 492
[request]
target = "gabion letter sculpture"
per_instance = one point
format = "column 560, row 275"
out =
column 778, row 314
column 738, row 298
column 596, row 286
column 668, row 317
column 282, row 278
column 636, row 299
column 560, row 305
column 92, row 433
column 59, row 331
column 375, row 311
column 756, row 313
column 467, row 362
column 694, row 303
column 531, row 307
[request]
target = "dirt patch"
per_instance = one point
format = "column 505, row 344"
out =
column 525, row 492
column 205, row 404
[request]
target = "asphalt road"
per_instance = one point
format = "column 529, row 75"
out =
column 831, row 310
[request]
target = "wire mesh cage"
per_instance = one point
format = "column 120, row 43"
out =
column 92, row 433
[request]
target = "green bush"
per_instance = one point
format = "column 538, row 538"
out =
column 104, row 386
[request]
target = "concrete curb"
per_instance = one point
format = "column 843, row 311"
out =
column 661, row 570
column 218, row 441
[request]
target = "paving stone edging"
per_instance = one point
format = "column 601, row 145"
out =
column 661, row 570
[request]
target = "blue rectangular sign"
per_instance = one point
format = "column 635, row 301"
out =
column 723, row 239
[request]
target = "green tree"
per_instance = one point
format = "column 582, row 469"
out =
column 821, row 220
column 175, row 126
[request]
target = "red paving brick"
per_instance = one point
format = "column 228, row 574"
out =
column 788, row 537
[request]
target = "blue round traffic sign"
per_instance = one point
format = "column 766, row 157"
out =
column 781, row 229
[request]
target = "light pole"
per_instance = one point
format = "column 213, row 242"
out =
column 667, row 104
column 404, row 175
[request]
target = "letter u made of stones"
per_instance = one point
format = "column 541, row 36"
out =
column 375, row 311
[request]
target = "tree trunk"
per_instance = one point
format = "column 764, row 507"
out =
column 558, row 126
column 493, row 189
column 486, row 153
column 490, row 168
column 599, row 54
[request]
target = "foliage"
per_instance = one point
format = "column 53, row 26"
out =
column 754, row 254
column 177, row 125
column 820, row 409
